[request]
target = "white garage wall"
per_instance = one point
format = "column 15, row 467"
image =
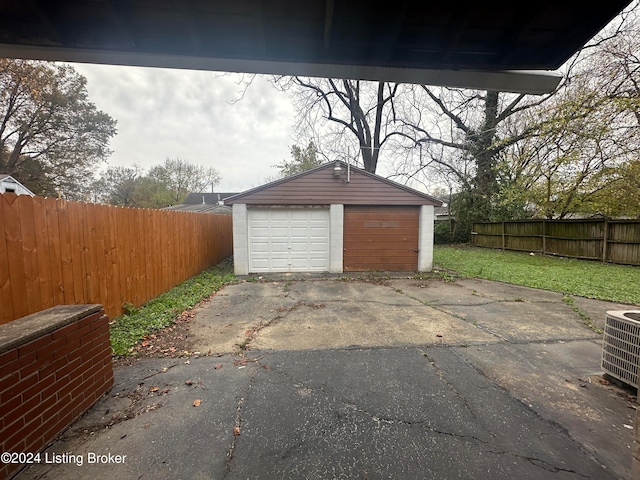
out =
column 240, row 240
column 336, row 239
column 425, row 238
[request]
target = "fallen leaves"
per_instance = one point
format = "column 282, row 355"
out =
column 157, row 389
column 242, row 361
column 218, row 366
column 196, row 403
column 172, row 341
column 150, row 408
column 236, row 431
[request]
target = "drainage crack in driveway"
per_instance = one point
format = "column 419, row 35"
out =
column 363, row 301
column 503, row 451
column 332, row 396
column 237, row 429
column 139, row 405
column 253, row 332
column 455, row 315
column 440, row 375
column 460, row 436
column 538, row 463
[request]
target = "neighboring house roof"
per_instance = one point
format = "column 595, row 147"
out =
column 200, row 208
column 320, row 186
column 204, row 203
column 207, row 198
column 443, row 210
column 8, row 180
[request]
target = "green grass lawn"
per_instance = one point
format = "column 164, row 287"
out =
column 585, row 278
column 163, row 310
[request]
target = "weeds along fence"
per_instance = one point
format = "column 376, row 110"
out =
column 614, row 241
column 56, row 252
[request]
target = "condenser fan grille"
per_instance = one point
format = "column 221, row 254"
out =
column 621, row 347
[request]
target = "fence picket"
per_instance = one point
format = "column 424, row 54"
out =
column 6, row 301
column 54, row 251
column 66, row 256
column 112, row 301
column 78, row 258
column 42, row 253
column 14, row 255
column 29, row 253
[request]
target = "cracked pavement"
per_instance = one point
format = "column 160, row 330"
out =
column 343, row 378
column 349, row 421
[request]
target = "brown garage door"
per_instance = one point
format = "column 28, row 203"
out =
column 380, row 238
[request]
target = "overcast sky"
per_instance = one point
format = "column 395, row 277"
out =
column 188, row 114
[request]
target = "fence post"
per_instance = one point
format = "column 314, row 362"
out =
column 544, row 236
column 503, row 239
column 605, row 239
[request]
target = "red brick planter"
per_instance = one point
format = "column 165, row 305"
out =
column 54, row 365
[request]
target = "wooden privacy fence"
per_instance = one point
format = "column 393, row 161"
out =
column 55, row 252
column 615, row 241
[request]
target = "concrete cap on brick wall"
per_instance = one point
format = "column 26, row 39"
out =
column 23, row 330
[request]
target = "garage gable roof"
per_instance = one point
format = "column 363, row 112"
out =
column 321, row 186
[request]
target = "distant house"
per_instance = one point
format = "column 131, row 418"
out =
column 8, row 184
column 207, row 198
column 204, row 203
column 443, row 213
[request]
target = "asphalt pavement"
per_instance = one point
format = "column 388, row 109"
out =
column 326, row 378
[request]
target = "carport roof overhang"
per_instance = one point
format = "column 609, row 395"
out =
column 495, row 46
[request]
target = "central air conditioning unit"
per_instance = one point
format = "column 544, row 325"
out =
column 621, row 348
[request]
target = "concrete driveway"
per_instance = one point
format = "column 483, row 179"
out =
column 367, row 378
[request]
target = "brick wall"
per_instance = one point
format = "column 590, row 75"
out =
column 54, row 365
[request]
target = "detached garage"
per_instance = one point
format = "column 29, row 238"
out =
column 332, row 218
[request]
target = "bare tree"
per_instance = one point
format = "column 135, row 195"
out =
column 343, row 115
column 405, row 120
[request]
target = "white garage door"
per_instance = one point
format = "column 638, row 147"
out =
column 288, row 240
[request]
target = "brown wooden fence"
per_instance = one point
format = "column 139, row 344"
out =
column 615, row 241
column 56, row 252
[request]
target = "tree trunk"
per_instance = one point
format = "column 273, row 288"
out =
column 481, row 149
column 485, row 181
